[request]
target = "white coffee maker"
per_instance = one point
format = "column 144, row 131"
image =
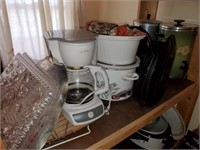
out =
column 76, row 49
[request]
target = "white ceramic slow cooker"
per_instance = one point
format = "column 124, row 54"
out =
column 121, row 80
column 117, row 50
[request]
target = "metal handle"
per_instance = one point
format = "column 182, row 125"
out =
column 178, row 22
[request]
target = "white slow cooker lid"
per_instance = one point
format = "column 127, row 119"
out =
column 156, row 127
column 176, row 123
column 70, row 35
column 121, row 67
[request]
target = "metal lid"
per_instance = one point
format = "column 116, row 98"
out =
column 70, row 35
column 120, row 67
column 147, row 21
column 177, row 25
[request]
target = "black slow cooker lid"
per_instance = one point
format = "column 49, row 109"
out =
column 178, row 25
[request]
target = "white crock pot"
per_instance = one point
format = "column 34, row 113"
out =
column 121, row 80
column 117, row 50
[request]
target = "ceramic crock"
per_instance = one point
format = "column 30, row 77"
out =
column 121, row 80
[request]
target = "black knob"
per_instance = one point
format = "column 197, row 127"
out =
column 148, row 16
column 178, row 22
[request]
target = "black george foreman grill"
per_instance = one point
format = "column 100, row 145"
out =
column 156, row 62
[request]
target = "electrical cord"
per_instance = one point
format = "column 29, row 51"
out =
column 71, row 139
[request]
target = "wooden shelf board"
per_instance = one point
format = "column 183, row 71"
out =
column 126, row 117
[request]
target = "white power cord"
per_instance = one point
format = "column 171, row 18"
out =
column 76, row 137
column 108, row 107
column 90, row 94
column 86, row 97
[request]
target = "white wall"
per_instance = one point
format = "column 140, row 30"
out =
column 114, row 11
column 188, row 10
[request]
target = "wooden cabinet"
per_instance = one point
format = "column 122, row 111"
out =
column 126, row 117
column 147, row 7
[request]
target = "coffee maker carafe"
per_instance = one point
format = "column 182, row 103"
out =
column 84, row 83
column 82, row 104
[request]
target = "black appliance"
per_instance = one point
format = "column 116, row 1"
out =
column 156, row 61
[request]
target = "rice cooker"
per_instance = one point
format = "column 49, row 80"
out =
column 121, row 80
column 185, row 35
column 162, row 132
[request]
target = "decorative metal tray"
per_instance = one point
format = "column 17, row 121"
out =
column 31, row 102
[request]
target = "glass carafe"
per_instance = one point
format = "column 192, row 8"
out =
column 84, row 83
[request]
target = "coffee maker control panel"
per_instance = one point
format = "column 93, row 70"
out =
column 84, row 113
column 88, row 115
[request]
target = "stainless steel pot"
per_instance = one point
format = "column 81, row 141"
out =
column 185, row 35
column 151, row 26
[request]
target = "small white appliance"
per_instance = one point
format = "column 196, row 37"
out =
column 82, row 105
column 76, row 49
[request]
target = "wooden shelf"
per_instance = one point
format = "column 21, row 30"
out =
column 126, row 117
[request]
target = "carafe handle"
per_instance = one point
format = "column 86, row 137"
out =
column 99, row 86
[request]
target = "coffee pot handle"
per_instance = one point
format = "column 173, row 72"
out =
column 100, row 86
